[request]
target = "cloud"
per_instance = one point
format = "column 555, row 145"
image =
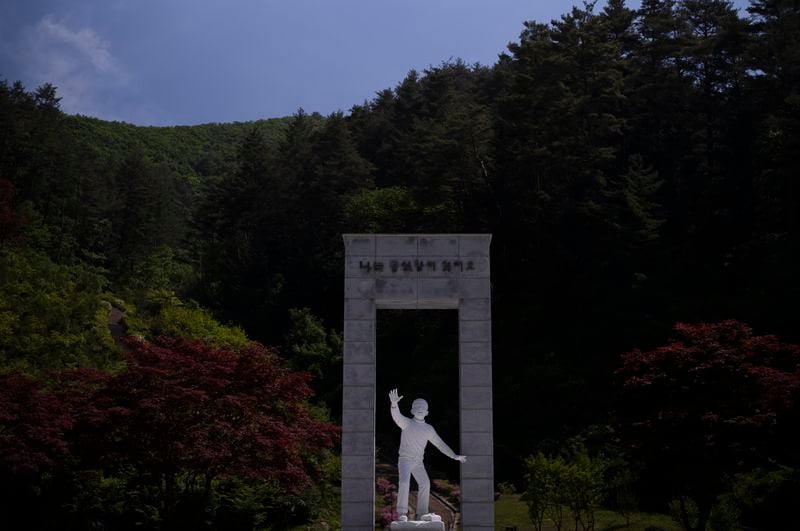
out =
column 77, row 61
column 84, row 41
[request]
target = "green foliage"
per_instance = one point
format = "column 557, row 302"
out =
column 382, row 210
column 432, row 137
column 276, row 220
column 684, row 512
column 506, row 488
column 162, row 313
column 159, row 268
column 197, row 323
column 247, row 505
column 620, row 489
column 621, row 475
column 558, row 489
column 194, row 152
column 767, row 495
column 51, row 316
column 636, row 210
column 309, row 346
column 111, row 194
column 725, row 514
column 512, row 511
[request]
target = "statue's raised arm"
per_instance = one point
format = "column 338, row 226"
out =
column 394, row 397
column 401, row 420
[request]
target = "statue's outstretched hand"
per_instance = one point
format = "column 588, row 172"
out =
column 462, row 458
column 394, row 397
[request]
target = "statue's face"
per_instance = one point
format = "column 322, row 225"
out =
column 419, row 409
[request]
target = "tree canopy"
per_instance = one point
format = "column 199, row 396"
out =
column 714, row 402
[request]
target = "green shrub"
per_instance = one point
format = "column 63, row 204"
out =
column 506, row 488
column 52, row 316
column 197, row 323
column 725, row 514
column 161, row 313
column 684, row 512
column 767, row 495
column 557, row 489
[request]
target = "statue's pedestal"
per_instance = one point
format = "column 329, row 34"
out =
column 417, row 524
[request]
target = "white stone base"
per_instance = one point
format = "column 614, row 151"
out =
column 417, row 524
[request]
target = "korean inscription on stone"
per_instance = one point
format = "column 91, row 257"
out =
column 408, row 266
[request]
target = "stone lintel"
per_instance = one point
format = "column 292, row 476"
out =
column 437, row 245
column 420, row 266
column 474, row 244
column 396, row 245
column 396, row 289
column 419, row 304
column 359, row 244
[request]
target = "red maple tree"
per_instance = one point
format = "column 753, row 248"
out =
column 33, row 427
column 184, row 409
column 715, row 401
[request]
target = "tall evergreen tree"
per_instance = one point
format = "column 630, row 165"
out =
column 775, row 86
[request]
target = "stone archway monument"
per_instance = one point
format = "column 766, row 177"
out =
column 417, row 271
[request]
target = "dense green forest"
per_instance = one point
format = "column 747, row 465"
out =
column 636, row 168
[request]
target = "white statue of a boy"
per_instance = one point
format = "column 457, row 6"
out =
column 416, row 435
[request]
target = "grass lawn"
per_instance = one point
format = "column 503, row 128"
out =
column 509, row 511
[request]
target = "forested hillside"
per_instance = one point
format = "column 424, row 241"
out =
column 637, row 169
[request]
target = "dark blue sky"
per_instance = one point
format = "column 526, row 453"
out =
column 164, row 62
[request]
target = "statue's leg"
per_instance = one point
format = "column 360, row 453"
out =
column 403, row 484
column 424, row 488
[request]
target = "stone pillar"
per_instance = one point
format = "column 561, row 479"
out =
column 358, row 396
column 417, row 271
column 475, row 384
